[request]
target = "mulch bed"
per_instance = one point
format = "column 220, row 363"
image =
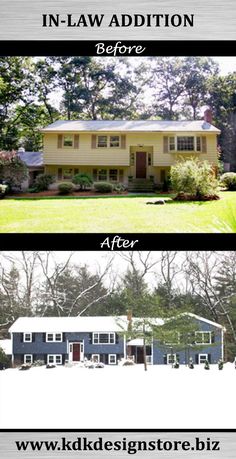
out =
column 55, row 193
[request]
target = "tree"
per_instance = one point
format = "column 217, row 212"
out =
column 168, row 79
column 13, row 170
column 197, row 72
column 70, row 290
column 222, row 91
column 217, row 298
column 16, row 87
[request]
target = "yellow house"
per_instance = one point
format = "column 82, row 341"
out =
column 126, row 151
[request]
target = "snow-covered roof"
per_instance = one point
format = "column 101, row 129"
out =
column 6, row 345
column 135, row 342
column 210, row 322
column 130, row 126
column 84, row 324
column 67, row 324
column 32, row 158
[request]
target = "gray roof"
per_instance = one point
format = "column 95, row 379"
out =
column 31, row 158
column 130, row 126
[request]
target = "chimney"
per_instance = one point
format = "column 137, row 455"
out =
column 208, row 116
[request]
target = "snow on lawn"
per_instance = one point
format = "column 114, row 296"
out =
column 118, row 397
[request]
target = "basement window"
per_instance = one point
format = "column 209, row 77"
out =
column 54, row 359
column 28, row 359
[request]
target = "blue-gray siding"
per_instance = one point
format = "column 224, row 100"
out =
column 40, row 349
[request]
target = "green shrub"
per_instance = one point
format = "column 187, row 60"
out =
column 65, row 188
column 83, row 180
column 119, row 188
column 194, row 178
column 103, row 187
column 43, row 181
column 229, row 180
column 3, row 191
column 4, row 359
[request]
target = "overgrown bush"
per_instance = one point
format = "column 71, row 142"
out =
column 103, row 187
column 43, row 181
column 83, row 180
column 229, row 180
column 13, row 170
column 65, row 188
column 193, row 178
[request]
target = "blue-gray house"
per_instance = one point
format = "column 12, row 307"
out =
column 57, row 340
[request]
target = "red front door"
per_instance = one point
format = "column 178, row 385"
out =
column 76, row 352
column 141, row 164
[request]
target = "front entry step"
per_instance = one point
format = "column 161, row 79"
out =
column 141, row 185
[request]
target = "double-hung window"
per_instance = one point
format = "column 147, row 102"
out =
column 53, row 337
column 103, row 338
column 27, row 337
column 203, row 337
column 108, row 141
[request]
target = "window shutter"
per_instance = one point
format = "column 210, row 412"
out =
column 76, row 141
column 95, row 173
column 204, row 144
column 123, row 141
column 59, row 141
column 117, row 338
column 33, row 337
column 44, row 337
column 63, row 337
column 209, row 358
column 59, row 173
column 121, row 175
column 45, row 358
column 165, row 144
column 196, row 358
column 213, row 337
column 165, row 359
column 63, row 359
column 21, row 337
column 93, row 141
column 22, row 358
column 90, row 338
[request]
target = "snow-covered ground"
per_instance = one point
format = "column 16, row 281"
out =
column 118, row 397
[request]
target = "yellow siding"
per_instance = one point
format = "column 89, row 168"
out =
column 117, row 157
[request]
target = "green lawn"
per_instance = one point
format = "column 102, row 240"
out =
column 114, row 214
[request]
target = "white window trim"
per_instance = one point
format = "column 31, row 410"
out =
column 108, row 141
column 109, row 359
column 31, row 359
column 184, row 151
column 27, row 340
column 168, row 356
column 202, row 342
column 104, row 333
column 54, row 337
column 54, row 359
column 205, row 356
column 97, row 357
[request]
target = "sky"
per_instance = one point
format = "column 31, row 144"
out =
column 227, row 63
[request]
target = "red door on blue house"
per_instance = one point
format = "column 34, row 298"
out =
column 141, row 164
column 76, row 352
